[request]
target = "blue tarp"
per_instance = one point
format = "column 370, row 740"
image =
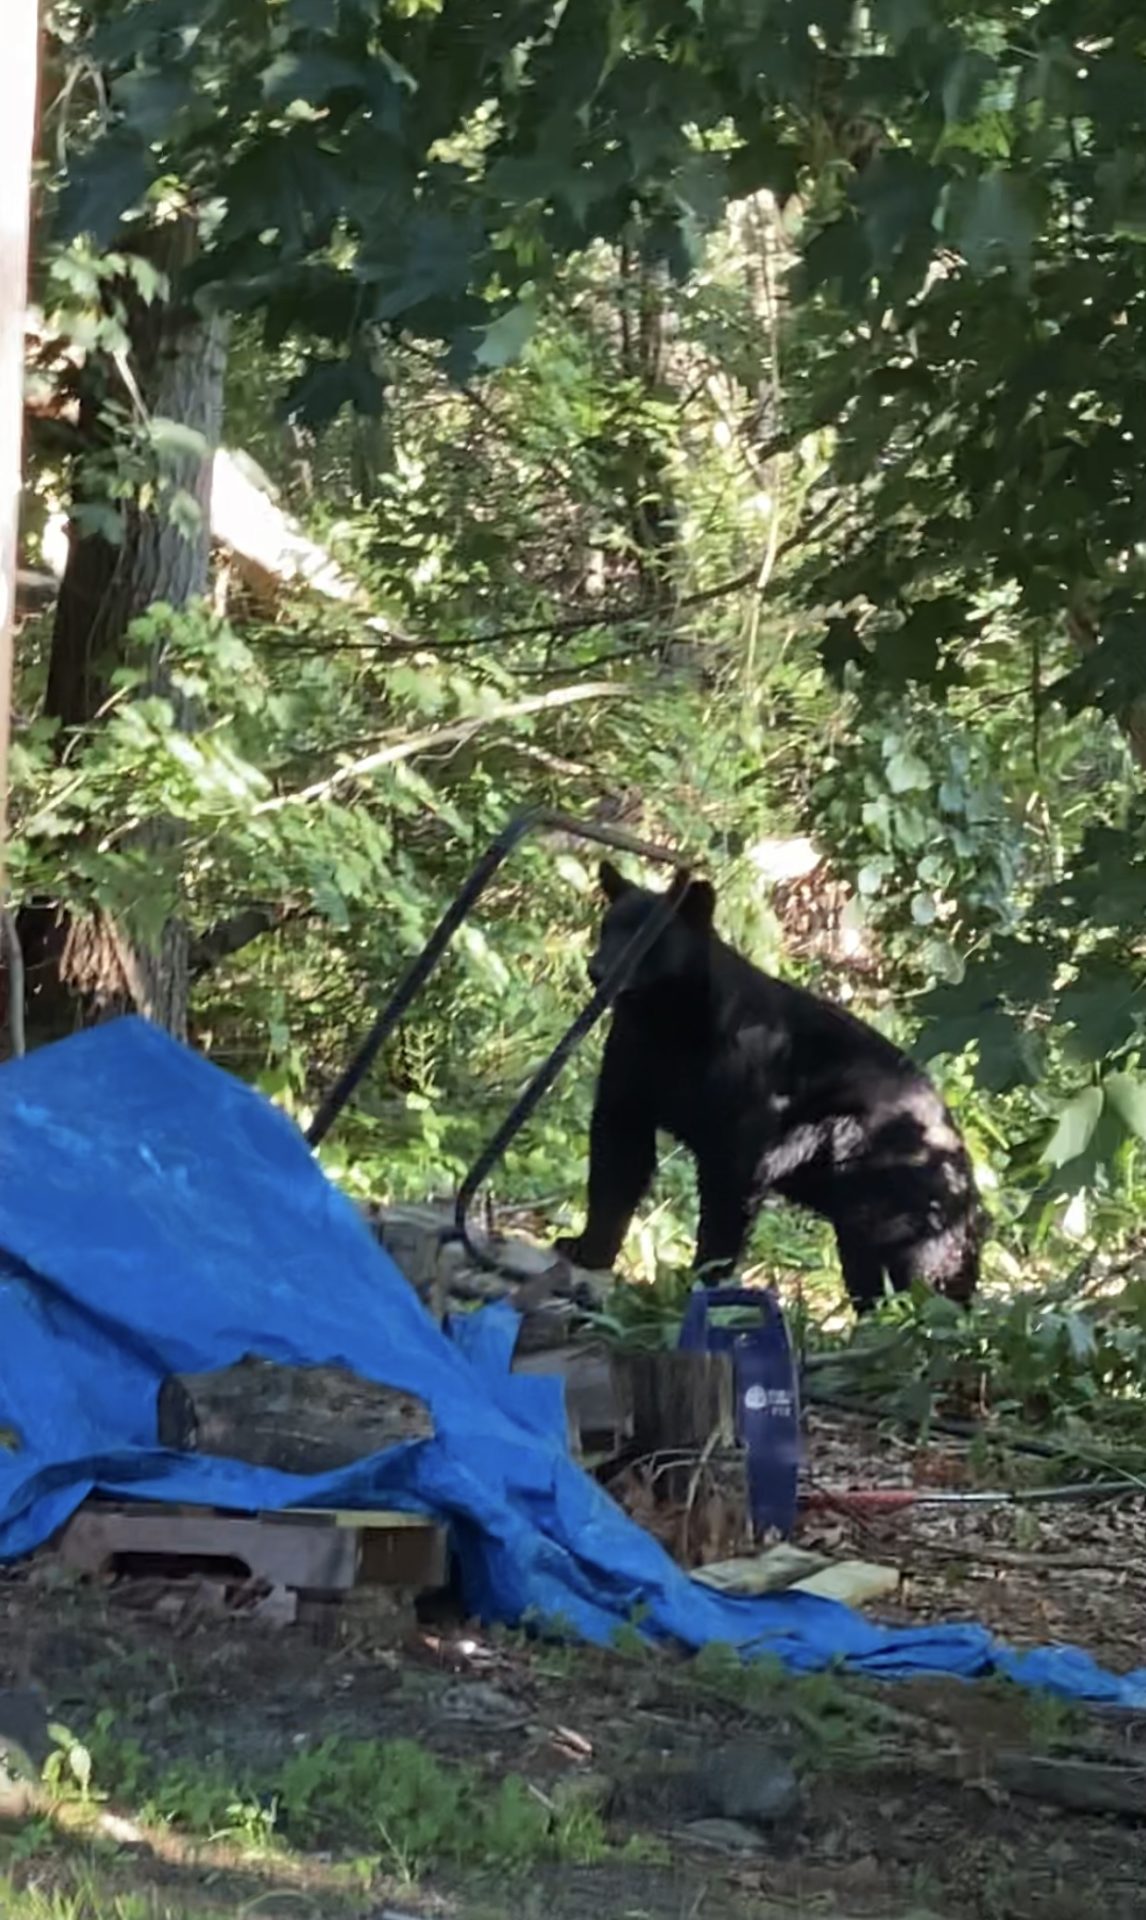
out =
column 156, row 1216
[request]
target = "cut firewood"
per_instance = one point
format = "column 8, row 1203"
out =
column 298, row 1419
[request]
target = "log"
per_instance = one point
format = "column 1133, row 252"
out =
column 681, row 1412
column 1081, row 1786
column 298, row 1419
column 680, row 1401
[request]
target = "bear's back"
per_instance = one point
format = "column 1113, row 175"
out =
column 745, row 997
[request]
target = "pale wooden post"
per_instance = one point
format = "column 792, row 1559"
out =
column 18, row 75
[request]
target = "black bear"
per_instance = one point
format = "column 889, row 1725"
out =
column 772, row 1090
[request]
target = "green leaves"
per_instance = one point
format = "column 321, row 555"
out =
column 1104, row 1011
column 504, row 339
column 174, row 441
column 325, row 387
column 1126, row 1094
column 906, row 772
column 314, row 75
column 107, row 184
column 995, row 218
column 151, row 98
column 899, row 19
column 969, row 73
column 1093, row 1131
column 287, row 189
column 1075, row 1129
column 912, row 806
column 897, row 197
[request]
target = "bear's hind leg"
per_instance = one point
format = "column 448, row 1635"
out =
column 863, row 1267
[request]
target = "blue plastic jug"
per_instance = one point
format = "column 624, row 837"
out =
column 767, row 1394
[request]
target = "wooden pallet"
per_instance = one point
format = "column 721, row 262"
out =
column 304, row 1550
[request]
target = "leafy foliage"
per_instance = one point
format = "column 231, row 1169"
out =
column 385, row 167
column 1067, row 1361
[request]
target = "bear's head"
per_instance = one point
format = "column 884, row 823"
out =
column 681, row 952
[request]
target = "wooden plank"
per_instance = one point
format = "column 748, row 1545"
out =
column 415, row 1558
column 1080, row 1786
column 395, row 1549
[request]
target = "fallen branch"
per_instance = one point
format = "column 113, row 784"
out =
column 1094, row 1562
column 431, row 737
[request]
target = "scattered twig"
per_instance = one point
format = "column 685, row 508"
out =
column 998, row 1436
column 553, row 763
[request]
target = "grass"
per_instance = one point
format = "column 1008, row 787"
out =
column 391, row 1802
column 94, row 1901
column 60, row 1865
column 313, row 1835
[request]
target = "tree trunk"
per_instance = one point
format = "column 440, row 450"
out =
column 82, row 972
column 646, row 479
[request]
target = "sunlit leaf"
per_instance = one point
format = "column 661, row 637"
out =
column 1075, row 1128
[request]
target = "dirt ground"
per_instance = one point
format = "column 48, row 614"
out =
column 917, row 1801
column 1035, row 1574
column 909, row 1825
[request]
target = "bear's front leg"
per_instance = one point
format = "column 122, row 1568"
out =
column 726, row 1211
column 622, row 1161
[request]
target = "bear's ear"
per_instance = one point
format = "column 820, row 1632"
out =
column 698, row 904
column 613, row 884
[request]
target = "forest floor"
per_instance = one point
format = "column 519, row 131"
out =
column 353, row 1766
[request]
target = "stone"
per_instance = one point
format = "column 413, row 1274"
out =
column 25, row 1742
column 749, row 1780
column 477, row 1703
column 414, row 1238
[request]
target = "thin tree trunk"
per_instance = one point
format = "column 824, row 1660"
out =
column 84, row 972
column 647, row 484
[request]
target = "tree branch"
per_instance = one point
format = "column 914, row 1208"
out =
column 624, row 614
column 457, row 731
column 237, row 931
